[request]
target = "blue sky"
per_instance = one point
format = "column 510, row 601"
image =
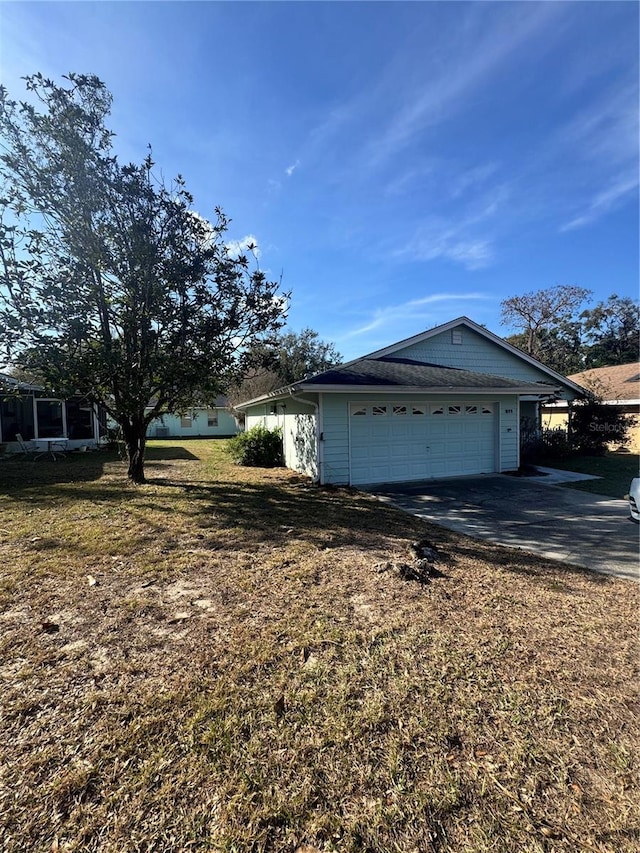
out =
column 400, row 164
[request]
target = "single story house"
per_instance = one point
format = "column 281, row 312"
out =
column 444, row 403
column 215, row 421
column 617, row 385
column 26, row 409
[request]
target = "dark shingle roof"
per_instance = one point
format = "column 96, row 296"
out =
column 406, row 372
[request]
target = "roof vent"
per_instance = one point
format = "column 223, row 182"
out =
column 456, row 336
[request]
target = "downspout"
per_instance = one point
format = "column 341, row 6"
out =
column 319, row 453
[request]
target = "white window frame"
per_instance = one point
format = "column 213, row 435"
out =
column 36, row 430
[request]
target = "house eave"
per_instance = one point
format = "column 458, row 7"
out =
column 302, row 388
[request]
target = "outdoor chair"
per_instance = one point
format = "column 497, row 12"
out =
column 28, row 448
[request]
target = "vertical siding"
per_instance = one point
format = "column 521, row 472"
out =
column 475, row 353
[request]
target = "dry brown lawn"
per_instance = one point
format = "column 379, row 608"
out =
column 219, row 661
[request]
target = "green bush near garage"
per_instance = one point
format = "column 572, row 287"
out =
column 258, row 447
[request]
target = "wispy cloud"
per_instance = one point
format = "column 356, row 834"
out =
column 433, row 242
column 445, row 86
column 603, row 202
column 235, row 248
column 471, row 179
column 605, row 139
column 415, row 309
column 463, row 239
column 291, row 169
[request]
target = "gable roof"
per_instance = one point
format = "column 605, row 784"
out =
column 465, row 321
column 615, row 382
column 383, row 368
column 406, row 372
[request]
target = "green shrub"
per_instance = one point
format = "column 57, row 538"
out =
column 259, row 447
column 594, row 426
column 538, row 446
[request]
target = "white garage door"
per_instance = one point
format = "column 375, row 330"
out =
column 393, row 442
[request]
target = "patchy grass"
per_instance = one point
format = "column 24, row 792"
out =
column 219, row 661
column 616, row 470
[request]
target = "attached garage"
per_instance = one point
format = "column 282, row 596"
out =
column 445, row 403
column 395, row 442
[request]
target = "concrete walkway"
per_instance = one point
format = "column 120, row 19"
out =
column 575, row 527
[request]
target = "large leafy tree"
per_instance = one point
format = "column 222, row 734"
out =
column 111, row 285
column 296, row 355
column 559, row 347
column 537, row 314
column 612, row 332
column 284, row 359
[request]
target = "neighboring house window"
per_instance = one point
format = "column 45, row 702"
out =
column 456, row 336
column 186, row 421
column 212, row 417
column 79, row 420
column 16, row 415
column 49, row 415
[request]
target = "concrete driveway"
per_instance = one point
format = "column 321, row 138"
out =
column 559, row 523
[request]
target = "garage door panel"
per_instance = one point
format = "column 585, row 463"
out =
column 440, row 440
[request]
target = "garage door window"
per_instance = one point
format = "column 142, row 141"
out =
column 486, row 409
column 399, row 410
column 471, row 410
column 418, row 410
column 455, row 410
column 358, row 411
column 437, row 410
column 378, row 410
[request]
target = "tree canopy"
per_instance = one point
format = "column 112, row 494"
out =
column 611, row 332
column 111, row 284
column 552, row 328
column 536, row 313
column 284, row 359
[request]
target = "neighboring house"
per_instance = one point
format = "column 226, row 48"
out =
column 617, row 385
column 26, row 409
column 444, row 403
column 199, row 422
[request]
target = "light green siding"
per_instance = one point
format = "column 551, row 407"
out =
column 335, row 432
column 335, row 427
column 172, row 425
column 298, row 424
column 475, row 353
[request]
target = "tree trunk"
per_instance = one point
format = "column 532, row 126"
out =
column 135, row 437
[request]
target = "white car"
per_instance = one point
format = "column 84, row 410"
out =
column 634, row 499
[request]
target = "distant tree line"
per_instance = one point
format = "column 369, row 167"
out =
column 554, row 327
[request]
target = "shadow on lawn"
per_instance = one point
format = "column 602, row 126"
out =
column 327, row 517
column 18, row 473
column 337, row 517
